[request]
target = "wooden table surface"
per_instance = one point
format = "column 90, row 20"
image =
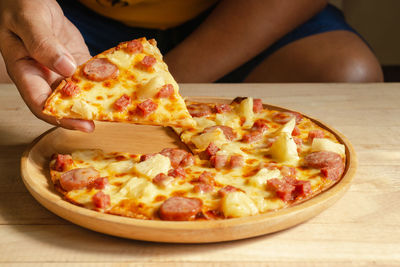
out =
column 362, row 228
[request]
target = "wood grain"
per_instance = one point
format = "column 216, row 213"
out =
column 361, row 229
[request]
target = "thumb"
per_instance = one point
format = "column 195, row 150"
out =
column 44, row 47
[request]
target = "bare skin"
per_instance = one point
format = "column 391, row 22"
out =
column 40, row 46
column 341, row 56
column 37, row 57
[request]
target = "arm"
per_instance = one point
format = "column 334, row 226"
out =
column 234, row 32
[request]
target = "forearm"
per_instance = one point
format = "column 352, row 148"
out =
column 234, row 32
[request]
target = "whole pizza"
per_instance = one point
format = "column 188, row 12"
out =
column 242, row 159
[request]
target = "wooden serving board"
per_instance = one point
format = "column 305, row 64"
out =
column 148, row 139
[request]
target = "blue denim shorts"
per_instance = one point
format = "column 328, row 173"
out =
column 101, row 33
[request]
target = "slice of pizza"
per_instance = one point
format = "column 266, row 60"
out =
column 127, row 83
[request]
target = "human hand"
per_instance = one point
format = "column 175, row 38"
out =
column 40, row 46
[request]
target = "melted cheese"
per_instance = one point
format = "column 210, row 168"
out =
column 95, row 100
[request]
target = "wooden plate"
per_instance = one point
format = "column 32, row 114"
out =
column 146, row 139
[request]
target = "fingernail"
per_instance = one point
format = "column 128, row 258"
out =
column 85, row 127
column 65, row 66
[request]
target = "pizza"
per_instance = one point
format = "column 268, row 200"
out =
column 242, row 160
column 127, row 83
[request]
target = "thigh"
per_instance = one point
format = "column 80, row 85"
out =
column 334, row 56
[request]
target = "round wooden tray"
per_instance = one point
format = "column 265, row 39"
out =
column 147, row 139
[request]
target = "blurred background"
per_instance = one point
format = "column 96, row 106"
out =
column 379, row 23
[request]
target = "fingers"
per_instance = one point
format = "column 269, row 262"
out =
column 44, row 47
column 34, row 88
column 32, row 80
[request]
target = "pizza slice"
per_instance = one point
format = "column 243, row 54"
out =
column 127, row 83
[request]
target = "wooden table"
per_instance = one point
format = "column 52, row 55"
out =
column 362, row 228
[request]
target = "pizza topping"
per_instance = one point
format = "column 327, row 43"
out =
column 178, row 157
column 148, row 61
column 206, row 178
column 199, row 110
column 222, row 108
column 100, row 69
column 62, row 162
column 284, row 149
column 145, row 108
column 315, row 134
column 236, row 161
column 211, row 150
column 245, row 111
column 77, row 178
column 252, row 136
column 121, row 103
column 257, row 105
column 296, row 131
column 238, row 204
column 101, row 200
column 165, row 91
column 203, row 188
column 238, row 99
column 99, row 183
column 228, row 131
column 325, row 144
column 260, row 125
column 70, row 89
column 178, row 172
column 153, row 166
column 323, row 159
column 227, row 189
column 162, row 180
column 188, row 160
column 284, row 117
column 147, row 156
column 134, row 46
column 287, row 171
column 333, row 173
column 289, row 189
column 219, row 161
column 180, row 209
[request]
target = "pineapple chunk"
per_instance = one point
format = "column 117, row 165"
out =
column 238, row 204
column 120, row 167
column 284, row 149
column 324, row 144
column 260, row 202
column 153, row 166
column 150, row 88
column 232, row 148
column 203, row 140
column 245, row 110
column 203, row 122
column 82, row 108
column 260, row 179
column 136, row 188
column 228, row 119
column 287, row 128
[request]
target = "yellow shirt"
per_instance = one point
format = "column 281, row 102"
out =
column 159, row 14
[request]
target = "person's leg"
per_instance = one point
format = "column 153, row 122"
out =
column 335, row 56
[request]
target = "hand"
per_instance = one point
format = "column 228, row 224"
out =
column 40, row 46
